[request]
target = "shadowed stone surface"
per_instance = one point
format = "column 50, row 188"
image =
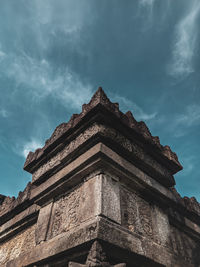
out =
column 102, row 194
column 96, row 258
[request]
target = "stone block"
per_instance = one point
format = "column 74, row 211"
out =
column 43, row 223
column 110, row 198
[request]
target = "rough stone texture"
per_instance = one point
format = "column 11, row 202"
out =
column 102, row 194
column 43, row 223
column 96, row 257
column 21, row 243
column 77, row 206
column 133, row 148
column 136, row 214
column 10, row 203
column 99, row 195
column 152, row 222
column 161, row 227
column 110, row 204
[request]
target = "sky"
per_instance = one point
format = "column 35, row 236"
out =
column 55, row 54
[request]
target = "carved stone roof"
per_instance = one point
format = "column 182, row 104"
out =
column 9, row 203
column 12, row 205
column 100, row 98
column 2, row 197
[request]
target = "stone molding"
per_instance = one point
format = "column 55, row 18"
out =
column 45, row 191
column 96, row 258
column 135, row 153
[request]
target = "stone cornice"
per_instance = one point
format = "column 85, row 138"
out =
column 96, row 158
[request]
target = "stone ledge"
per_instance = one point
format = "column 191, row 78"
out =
column 106, row 231
column 19, row 222
column 12, row 206
column 95, row 133
column 97, row 154
column 101, row 157
column 59, row 244
column 129, row 241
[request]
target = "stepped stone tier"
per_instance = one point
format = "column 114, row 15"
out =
column 102, row 194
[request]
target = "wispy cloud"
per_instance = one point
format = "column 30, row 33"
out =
column 146, row 8
column 147, row 3
column 188, row 164
column 186, row 33
column 152, row 11
column 182, row 123
column 126, row 104
column 4, row 113
column 190, row 117
column 2, row 54
column 42, row 80
column 31, row 145
column 38, row 62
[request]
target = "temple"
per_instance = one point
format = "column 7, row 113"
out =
column 102, row 194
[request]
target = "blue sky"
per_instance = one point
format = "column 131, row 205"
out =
column 54, row 55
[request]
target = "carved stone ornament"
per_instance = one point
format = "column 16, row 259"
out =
column 96, row 258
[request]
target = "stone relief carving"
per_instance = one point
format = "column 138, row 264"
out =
column 136, row 213
column 137, row 217
column 79, row 205
column 161, row 226
column 106, row 132
column 183, row 245
column 96, row 258
column 9, row 203
column 56, row 160
column 65, row 213
column 21, row 243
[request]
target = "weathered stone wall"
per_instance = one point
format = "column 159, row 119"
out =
column 99, row 195
column 22, row 242
column 108, row 196
column 136, row 213
column 77, row 206
column 149, row 220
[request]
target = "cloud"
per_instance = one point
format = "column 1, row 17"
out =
column 138, row 112
column 4, row 113
column 147, row 3
column 186, row 33
column 2, row 54
column 30, row 146
column 146, row 8
column 190, row 117
column 181, row 124
column 40, row 79
column 188, row 163
column 39, row 62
